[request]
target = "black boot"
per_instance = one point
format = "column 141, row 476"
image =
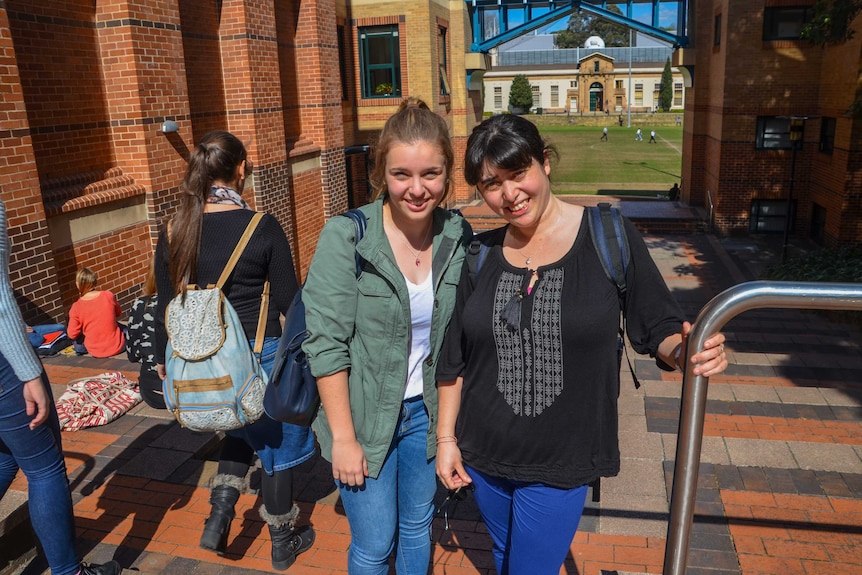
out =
column 109, row 568
column 287, row 541
column 224, row 493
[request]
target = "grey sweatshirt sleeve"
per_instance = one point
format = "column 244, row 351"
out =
column 14, row 344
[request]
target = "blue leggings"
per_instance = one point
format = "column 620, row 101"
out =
column 531, row 524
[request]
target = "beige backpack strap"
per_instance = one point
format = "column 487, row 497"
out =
column 237, row 251
column 261, row 320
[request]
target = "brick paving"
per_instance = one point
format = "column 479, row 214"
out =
column 779, row 489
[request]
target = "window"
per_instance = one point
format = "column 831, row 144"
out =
column 785, row 22
column 656, row 95
column 596, row 66
column 639, row 94
column 555, row 96
column 380, row 62
column 341, row 62
column 827, row 135
column 773, row 133
column 441, row 55
column 716, row 32
column 537, row 96
column 619, row 84
column 573, row 84
column 677, row 94
column 498, row 98
column 769, row 216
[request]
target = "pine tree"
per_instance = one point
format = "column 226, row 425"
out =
column 521, row 93
column 665, row 96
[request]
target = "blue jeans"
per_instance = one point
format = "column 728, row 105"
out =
column 531, row 524
column 39, row 454
column 394, row 511
column 36, row 336
column 279, row 446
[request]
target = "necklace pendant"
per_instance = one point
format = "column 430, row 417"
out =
column 418, row 262
column 529, row 259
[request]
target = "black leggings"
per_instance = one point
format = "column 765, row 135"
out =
column 277, row 489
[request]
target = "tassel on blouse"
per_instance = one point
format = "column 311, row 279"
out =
column 511, row 312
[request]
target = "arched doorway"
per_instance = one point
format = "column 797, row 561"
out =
column 597, row 96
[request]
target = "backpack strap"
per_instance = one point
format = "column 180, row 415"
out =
column 264, row 297
column 237, row 251
column 476, row 254
column 360, row 222
column 609, row 236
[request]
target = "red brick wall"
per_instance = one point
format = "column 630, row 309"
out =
column 745, row 77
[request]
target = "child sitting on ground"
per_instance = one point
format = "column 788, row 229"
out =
column 93, row 319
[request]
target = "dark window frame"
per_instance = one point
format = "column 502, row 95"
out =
column 375, row 74
column 442, row 49
column 773, row 133
column 716, row 39
column 827, row 135
column 769, row 216
column 784, row 22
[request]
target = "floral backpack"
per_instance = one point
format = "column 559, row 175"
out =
column 214, row 380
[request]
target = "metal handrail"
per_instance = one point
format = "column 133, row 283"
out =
column 714, row 315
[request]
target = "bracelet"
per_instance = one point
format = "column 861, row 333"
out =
column 447, row 439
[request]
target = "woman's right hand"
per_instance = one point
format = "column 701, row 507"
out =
column 349, row 466
column 450, row 468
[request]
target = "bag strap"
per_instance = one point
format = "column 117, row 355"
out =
column 264, row 297
column 237, row 251
column 360, row 222
column 609, row 236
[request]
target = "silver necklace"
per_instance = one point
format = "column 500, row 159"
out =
column 424, row 245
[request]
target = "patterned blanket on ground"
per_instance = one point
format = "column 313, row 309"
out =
column 96, row 400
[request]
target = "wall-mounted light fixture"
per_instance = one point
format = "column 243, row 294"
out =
column 169, row 126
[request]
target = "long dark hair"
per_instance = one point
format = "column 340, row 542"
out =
column 215, row 158
column 413, row 122
column 504, row 141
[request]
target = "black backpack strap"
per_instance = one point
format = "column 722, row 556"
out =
column 609, row 236
column 361, row 223
column 476, row 253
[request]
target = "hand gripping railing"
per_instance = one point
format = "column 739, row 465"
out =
column 715, row 314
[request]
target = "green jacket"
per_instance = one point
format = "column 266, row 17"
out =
column 363, row 325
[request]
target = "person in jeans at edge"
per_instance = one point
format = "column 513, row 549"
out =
column 30, row 436
column 529, row 372
column 208, row 225
column 373, row 342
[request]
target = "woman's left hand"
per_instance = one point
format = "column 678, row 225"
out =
column 709, row 361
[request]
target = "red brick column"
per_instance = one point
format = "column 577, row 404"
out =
column 31, row 262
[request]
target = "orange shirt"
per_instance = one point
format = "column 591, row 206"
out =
column 96, row 318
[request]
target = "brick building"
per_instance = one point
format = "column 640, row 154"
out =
column 89, row 175
column 752, row 76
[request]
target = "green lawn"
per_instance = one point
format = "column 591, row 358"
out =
column 621, row 165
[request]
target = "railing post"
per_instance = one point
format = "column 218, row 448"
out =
column 714, row 315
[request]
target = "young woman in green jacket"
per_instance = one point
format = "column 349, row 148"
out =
column 374, row 340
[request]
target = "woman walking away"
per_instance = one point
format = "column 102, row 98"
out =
column 209, row 223
column 373, row 342
column 529, row 373
column 30, row 436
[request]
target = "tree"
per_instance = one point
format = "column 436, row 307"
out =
column 830, row 23
column 583, row 25
column 665, row 96
column 521, row 93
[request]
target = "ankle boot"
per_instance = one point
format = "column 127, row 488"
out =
column 287, row 541
column 224, row 493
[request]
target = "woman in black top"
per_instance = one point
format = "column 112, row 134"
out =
column 209, row 223
column 141, row 344
column 529, row 376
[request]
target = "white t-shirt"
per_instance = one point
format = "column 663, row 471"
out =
column 421, row 308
